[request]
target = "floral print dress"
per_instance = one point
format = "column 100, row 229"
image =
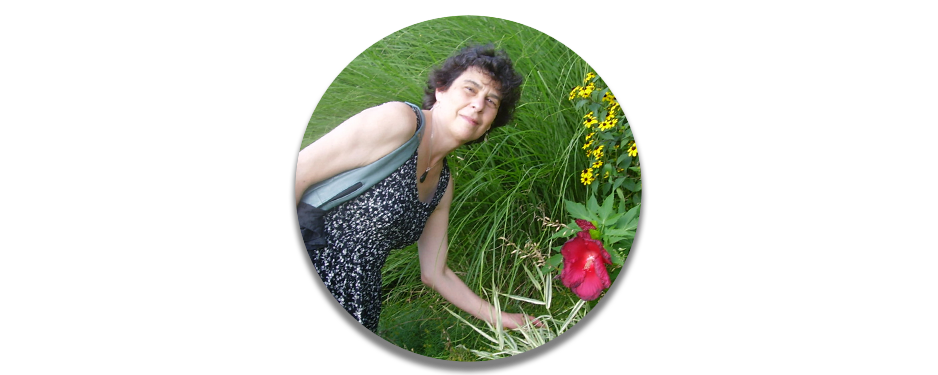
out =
column 362, row 232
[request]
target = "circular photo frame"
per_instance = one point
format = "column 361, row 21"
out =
column 468, row 188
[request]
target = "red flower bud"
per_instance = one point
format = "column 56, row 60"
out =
column 585, row 225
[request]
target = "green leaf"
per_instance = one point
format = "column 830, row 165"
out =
column 534, row 280
column 595, row 234
column 577, row 210
column 620, row 233
column 615, row 187
column 546, row 269
column 555, row 260
column 606, row 209
column 592, row 205
column 622, row 200
column 632, row 185
column 630, row 219
column 525, row 299
column 612, row 220
column 594, row 107
column 566, row 231
column 471, row 326
column 566, row 323
column 624, row 160
column 615, row 257
column 610, row 240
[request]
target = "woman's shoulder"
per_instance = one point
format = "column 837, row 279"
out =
column 398, row 115
column 377, row 130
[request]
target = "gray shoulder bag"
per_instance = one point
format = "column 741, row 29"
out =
column 325, row 195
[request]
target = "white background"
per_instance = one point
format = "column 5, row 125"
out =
column 147, row 154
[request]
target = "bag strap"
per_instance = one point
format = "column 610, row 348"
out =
column 349, row 184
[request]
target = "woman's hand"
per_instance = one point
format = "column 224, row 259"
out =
column 516, row 321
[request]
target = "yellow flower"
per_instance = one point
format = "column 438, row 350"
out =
column 606, row 175
column 586, row 91
column 609, row 97
column 606, row 125
column 633, row 151
column 590, row 135
column 597, row 164
column 587, row 177
column 574, row 92
column 589, row 76
column 590, row 120
column 598, row 152
column 587, row 144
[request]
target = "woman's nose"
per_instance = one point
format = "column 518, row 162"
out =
column 478, row 102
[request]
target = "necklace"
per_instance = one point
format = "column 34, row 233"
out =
column 423, row 177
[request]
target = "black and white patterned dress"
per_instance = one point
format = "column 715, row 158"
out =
column 362, row 232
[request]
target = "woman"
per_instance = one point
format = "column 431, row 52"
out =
column 471, row 93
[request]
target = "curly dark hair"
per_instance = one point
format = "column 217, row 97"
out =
column 493, row 62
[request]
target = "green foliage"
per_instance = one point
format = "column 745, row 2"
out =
column 502, row 343
column 612, row 172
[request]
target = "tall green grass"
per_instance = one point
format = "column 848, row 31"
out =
column 507, row 188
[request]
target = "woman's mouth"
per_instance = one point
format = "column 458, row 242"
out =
column 469, row 120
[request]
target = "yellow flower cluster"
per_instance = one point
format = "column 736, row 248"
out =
column 612, row 112
column 587, row 176
column 608, row 122
column 597, row 153
column 587, row 89
column 589, row 141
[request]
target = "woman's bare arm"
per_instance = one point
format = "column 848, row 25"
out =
column 433, row 248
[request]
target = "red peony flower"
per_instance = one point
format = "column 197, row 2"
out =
column 584, row 265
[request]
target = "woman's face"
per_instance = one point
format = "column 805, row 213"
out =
column 469, row 105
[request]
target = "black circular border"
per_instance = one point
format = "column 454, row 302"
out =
column 439, row 366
